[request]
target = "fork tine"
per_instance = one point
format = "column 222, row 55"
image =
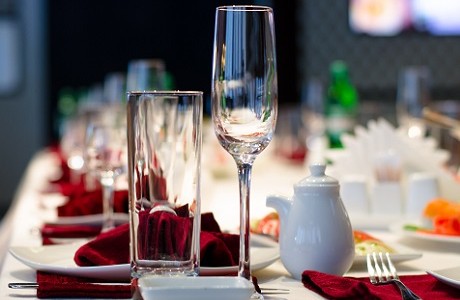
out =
column 370, row 269
column 389, row 274
column 377, row 267
column 391, row 266
column 386, row 273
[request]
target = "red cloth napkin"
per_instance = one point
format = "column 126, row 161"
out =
column 62, row 286
column 337, row 287
column 161, row 233
column 63, row 184
column 112, row 247
column 50, row 231
column 109, row 248
column 90, row 203
column 65, row 170
column 69, row 189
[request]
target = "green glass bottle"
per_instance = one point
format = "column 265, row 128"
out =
column 341, row 104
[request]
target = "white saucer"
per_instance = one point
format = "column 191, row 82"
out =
column 59, row 259
column 196, row 288
column 450, row 276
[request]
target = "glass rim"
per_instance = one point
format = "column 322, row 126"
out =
column 166, row 93
column 147, row 62
column 244, row 8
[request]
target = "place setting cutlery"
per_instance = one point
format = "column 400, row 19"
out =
column 257, row 288
column 36, row 285
column 381, row 273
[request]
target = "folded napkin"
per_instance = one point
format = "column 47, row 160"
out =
column 50, row 231
column 337, row 287
column 65, row 170
column 67, row 183
column 90, row 202
column 69, row 189
column 62, row 286
column 112, row 247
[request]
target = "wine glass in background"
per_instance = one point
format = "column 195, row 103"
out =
column 146, row 75
column 106, row 159
column 114, row 88
column 72, row 144
column 312, row 106
column 244, row 96
column 312, row 110
column 413, row 94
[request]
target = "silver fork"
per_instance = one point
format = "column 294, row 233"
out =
column 380, row 274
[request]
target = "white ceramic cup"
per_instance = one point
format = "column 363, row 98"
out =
column 354, row 194
column 421, row 188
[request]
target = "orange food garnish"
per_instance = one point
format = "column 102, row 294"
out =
column 445, row 215
column 449, row 225
column 362, row 236
column 270, row 225
column 441, row 207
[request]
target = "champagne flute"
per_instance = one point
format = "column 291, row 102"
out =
column 244, row 96
column 412, row 96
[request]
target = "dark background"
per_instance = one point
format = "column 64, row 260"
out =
column 88, row 39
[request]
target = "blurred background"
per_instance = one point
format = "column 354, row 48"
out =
column 53, row 49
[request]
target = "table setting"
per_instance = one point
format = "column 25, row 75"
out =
column 438, row 256
column 133, row 204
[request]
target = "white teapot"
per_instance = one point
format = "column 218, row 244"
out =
column 315, row 231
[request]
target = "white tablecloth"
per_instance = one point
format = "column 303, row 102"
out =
column 20, row 225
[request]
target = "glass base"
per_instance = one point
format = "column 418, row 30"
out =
column 138, row 271
column 257, row 296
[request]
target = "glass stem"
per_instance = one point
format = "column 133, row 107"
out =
column 244, row 176
column 107, row 203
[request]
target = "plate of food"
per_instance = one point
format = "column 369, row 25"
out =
column 419, row 230
column 440, row 222
column 364, row 242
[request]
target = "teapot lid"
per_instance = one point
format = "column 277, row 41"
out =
column 318, row 178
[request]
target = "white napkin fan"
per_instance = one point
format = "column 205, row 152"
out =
column 381, row 144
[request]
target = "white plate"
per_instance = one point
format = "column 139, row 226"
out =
column 395, row 257
column 59, row 259
column 196, row 288
column 401, row 254
column 450, row 276
column 119, row 218
column 399, row 229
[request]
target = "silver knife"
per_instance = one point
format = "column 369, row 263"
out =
column 34, row 285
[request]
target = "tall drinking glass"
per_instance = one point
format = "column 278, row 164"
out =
column 164, row 163
column 244, row 96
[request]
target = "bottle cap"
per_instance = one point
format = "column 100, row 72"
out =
column 339, row 69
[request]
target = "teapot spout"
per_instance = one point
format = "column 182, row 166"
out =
column 281, row 204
